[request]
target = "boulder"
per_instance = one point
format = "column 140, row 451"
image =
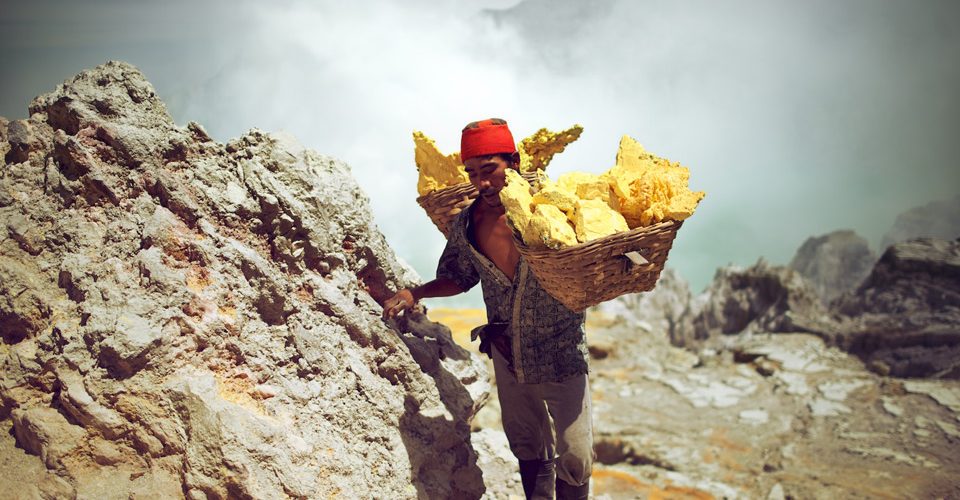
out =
column 760, row 298
column 664, row 311
column 45, row 432
column 202, row 319
column 834, row 263
column 903, row 319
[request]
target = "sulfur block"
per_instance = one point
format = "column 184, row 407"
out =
column 589, row 187
column 549, row 227
column 537, row 150
column 437, row 170
column 594, row 219
column 682, row 206
column 517, row 200
column 552, row 194
column 650, row 189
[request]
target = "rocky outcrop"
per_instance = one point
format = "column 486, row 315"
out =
column 903, row 319
column 937, row 219
column 663, row 311
column 183, row 317
column 834, row 263
column 759, row 298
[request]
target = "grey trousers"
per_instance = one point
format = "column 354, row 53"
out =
column 551, row 419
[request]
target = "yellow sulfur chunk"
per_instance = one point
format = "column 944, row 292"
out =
column 516, row 199
column 682, row 206
column 537, row 150
column 632, row 162
column 650, row 189
column 549, row 227
column 594, row 219
column 552, row 194
column 589, row 187
column 437, row 170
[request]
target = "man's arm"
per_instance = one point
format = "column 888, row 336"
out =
column 407, row 297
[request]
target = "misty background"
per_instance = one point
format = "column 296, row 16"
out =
column 797, row 119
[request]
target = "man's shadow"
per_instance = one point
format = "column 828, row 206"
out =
column 432, row 347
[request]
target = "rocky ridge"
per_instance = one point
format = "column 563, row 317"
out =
column 182, row 317
column 780, row 393
column 901, row 319
column 937, row 219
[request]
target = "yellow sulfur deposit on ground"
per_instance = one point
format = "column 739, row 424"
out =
column 436, row 169
column 650, row 189
column 594, row 219
column 549, row 227
column 517, row 200
column 537, row 150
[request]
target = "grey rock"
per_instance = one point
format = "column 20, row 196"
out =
column 937, row 219
column 77, row 402
column 45, row 432
column 903, row 317
column 54, row 487
column 834, row 263
column 4, row 145
column 498, row 464
column 105, row 452
column 25, row 300
column 208, row 315
column 759, row 298
column 728, row 429
column 128, row 345
column 946, row 394
column 665, row 310
column 20, row 141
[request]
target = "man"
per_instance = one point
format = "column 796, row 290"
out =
column 538, row 347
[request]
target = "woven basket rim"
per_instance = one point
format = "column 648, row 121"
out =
column 575, row 250
column 438, row 193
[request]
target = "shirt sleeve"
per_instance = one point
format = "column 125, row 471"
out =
column 456, row 264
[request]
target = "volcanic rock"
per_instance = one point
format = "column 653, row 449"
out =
column 834, row 263
column 182, row 317
column 903, row 319
column 767, row 413
column 759, row 298
column 937, row 219
column 663, row 311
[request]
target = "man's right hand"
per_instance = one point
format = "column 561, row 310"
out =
column 402, row 301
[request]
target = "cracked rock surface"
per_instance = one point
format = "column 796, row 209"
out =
column 185, row 318
column 770, row 414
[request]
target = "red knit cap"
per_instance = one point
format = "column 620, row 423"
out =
column 486, row 137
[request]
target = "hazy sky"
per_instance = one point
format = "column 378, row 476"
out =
column 796, row 118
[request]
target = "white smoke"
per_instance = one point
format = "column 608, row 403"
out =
column 796, row 118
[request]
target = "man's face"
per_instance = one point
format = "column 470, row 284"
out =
column 488, row 175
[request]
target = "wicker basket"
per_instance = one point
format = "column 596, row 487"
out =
column 590, row 273
column 443, row 205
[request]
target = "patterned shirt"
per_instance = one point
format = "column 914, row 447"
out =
column 548, row 340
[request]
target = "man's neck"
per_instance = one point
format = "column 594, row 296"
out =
column 490, row 210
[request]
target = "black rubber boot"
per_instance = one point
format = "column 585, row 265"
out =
column 567, row 492
column 538, row 478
